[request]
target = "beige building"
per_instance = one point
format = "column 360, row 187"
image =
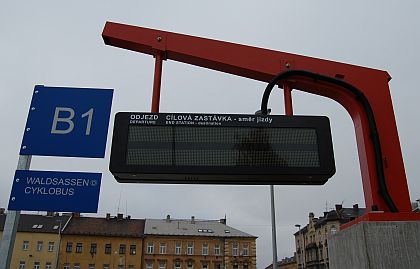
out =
column 37, row 241
column 312, row 240
column 285, row 263
column 74, row 242
column 197, row 244
column 102, row 243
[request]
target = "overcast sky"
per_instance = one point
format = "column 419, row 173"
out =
column 44, row 42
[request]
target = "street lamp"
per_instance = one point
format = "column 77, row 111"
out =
column 303, row 248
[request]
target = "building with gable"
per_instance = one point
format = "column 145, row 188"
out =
column 102, row 243
column 197, row 244
column 37, row 240
column 312, row 240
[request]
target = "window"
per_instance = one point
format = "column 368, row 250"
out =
column 91, row 266
column 22, row 265
column 205, row 230
column 217, row 266
column 235, row 266
column 217, row 249
column 79, row 247
column 150, row 248
column 36, row 265
column 122, row 249
column 132, row 249
column 162, row 265
column 76, row 266
column 93, row 248
column 66, row 266
column 245, row 249
column 205, row 266
column 39, row 245
column 177, row 248
column 130, row 266
column 162, row 249
column 177, row 265
column 190, row 249
column 245, row 266
column 205, row 249
column 235, row 249
column 106, row 266
column 108, row 249
column 120, row 266
column 333, row 230
column 25, row 245
column 149, row 265
column 48, row 265
column 69, row 247
column 50, row 246
column 189, row 266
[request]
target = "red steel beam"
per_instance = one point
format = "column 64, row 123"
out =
column 263, row 64
column 157, row 82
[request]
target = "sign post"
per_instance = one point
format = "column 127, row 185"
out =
column 11, row 224
column 68, row 122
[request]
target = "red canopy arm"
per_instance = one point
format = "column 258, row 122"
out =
column 263, row 64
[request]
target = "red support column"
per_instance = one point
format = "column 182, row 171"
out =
column 157, row 82
column 288, row 106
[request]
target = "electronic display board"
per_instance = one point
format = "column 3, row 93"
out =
column 221, row 149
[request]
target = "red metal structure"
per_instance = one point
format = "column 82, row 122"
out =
column 263, row 65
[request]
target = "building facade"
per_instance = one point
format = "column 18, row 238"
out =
column 197, row 244
column 37, row 241
column 75, row 242
column 102, row 243
column 312, row 240
column 285, row 263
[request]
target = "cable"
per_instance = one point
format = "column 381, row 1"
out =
column 369, row 113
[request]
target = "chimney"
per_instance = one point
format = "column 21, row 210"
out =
column 108, row 216
column 168, row 218
column 192, row 219
column 223, row 221
column 325, row 214
column 128, row 217
column 2, row 210
column 338, row 207
column 119, row 216
column 311, row 216
column 356, row 207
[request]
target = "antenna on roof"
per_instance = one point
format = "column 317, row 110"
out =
column 126, row 206
column 119, row 201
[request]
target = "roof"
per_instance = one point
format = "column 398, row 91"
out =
column 37, row 223
column 184, row 227
column 121, row 227
column 343, row 215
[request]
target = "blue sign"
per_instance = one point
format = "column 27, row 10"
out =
column 70, row 122
column 55, row 191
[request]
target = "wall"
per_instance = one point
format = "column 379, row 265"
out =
column 114, row 259
column 375, row 245
column 32, row 255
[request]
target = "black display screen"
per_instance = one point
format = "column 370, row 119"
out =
column 222, row 146
column 221, row 149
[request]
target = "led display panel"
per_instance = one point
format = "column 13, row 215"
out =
column 221, row 149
